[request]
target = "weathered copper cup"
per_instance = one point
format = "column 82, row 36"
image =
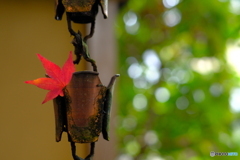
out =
column 84, row 111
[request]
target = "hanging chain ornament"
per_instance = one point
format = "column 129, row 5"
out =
column 84, row 111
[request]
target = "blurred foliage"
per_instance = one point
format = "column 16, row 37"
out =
column 175, row 80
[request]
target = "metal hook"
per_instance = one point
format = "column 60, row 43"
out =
column 72, row 32
column 89, row 157
column 81, row 49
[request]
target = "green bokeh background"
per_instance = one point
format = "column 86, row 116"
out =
column 176, row 83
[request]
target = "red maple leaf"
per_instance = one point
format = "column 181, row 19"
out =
column 58, row 77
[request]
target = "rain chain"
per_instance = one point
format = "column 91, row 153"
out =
column 84, row 111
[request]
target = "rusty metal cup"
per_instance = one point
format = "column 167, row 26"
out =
column 84, row 108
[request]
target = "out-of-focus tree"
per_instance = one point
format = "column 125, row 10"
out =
column 177, row 89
